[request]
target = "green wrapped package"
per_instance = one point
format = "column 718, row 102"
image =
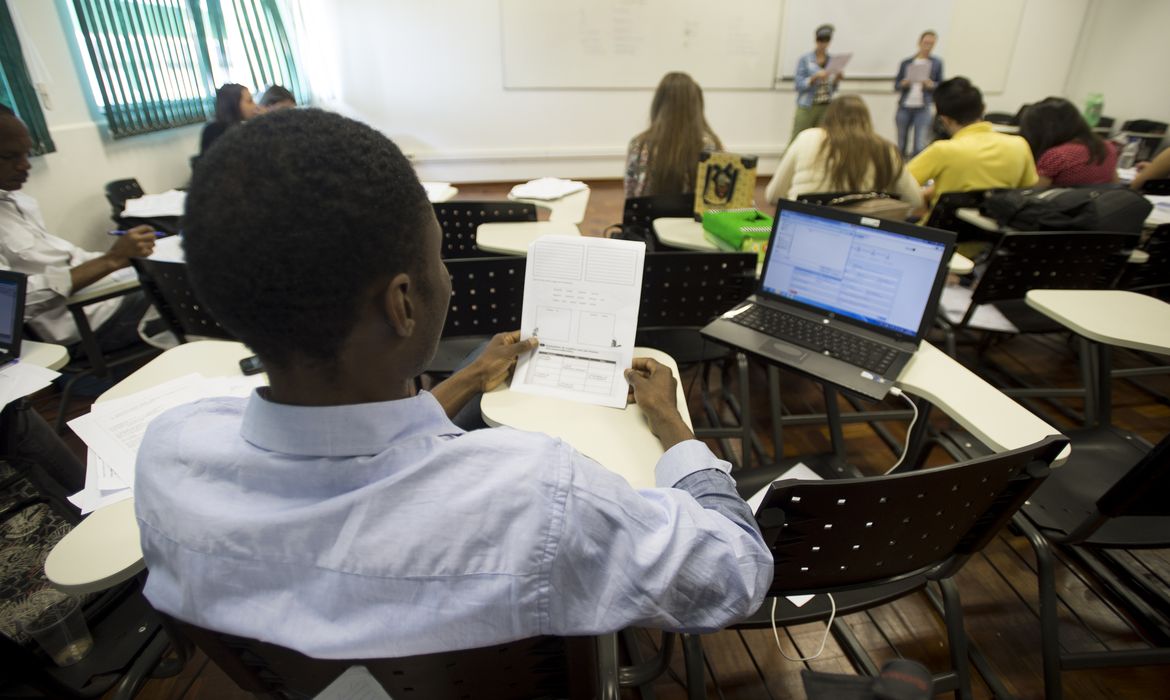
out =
column 738, row 230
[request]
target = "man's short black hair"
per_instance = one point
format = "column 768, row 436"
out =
column 958, row 99
column 6, row 111
column 277, row 94
column 290, row 219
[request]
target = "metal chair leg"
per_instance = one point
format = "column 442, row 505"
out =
column 696, row 677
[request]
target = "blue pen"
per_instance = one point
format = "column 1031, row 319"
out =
column 121, row 232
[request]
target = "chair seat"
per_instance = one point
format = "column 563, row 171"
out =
column 787, row 613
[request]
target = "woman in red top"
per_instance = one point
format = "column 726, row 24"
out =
column 1066, row 150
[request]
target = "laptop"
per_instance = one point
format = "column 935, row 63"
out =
column 843, row 297
column 12, row 287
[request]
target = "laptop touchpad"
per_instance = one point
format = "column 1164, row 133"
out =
column 788, row 352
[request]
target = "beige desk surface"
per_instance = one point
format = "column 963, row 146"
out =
column 996, row 420
column 686, row 233
column 1113, row 317
column 98, row 289
column 569, row 209
column 104, row 549
column 47, row 355
column 513, row 237
column 618, row 439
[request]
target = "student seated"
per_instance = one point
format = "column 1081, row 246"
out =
column 55, row 267
column 975, row 157
column 233, row 106
column 664, row 159
column 1066, row 150
column 844, row 154
column 277, row 97
column 337, row 512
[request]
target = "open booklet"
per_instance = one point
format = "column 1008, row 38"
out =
column 581, row 299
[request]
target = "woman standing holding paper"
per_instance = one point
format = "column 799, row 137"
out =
column 917, row 78
column 815, row 85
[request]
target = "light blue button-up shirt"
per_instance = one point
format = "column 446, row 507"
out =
column 383, row 530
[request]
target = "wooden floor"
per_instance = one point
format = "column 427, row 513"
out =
column 998, row 587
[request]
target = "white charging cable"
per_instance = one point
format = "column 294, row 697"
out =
column 828, row 627
column 910, row 429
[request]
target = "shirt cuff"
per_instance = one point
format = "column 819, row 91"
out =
column 59, row 279
column 686, row 458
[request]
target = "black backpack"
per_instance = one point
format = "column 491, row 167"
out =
column 1106, row 208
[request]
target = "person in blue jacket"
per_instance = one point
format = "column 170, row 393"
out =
column 814, row 85
column 917, row 95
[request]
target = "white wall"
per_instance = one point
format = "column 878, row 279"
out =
column 69, row 183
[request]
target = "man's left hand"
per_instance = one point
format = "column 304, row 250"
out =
column 499, row 357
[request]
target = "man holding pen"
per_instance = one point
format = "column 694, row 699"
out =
column 55, row 267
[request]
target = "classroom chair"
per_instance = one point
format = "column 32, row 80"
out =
column 459, row 220
column 487, row 297
column 119, row 191
column 1110, row 495
column 167, row 287
column 877, row 204
column 639, row 213
column 578, row 667
column 871, row 540
column 944, row 216
column 1004, row 118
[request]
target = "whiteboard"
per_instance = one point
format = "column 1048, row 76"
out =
column 879, row 33
column 633, row 43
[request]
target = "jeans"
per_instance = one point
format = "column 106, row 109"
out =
column 920, row 119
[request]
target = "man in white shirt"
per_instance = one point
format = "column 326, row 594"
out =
column 55, row 267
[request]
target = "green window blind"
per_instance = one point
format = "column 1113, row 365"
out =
column 16, row 89
column 266, row 44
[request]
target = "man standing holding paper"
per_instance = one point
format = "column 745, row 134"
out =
column 817, row 76
column 916, row 80
column 342, row 514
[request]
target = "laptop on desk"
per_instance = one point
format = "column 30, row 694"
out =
column 842, row 297
column 12, row 289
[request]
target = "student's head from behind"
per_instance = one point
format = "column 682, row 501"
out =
column 847, row 113
column 676, row 134
column 278, row 97
column 15, row 145
column 233, row 103
column 677, row 97
column 853, row 150
column 958, row 103
column 926, row 42
column 1054, row 121
column 302, row 253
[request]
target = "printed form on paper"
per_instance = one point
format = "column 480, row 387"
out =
column 581, row 299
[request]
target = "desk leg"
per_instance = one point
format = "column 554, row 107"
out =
column 1089, row 369
column 777, row 410
column 1104, row 385
column 745, row 409
column 89, row 341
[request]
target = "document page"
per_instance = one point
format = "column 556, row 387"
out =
column 837, row 63
column 581, row 299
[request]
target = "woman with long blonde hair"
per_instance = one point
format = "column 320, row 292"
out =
column 664, row 158
column 843, row 154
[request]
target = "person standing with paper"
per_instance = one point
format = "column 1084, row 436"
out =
column 916, row 80
column 816, row 81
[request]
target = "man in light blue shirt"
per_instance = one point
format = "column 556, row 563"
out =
column 340, row 514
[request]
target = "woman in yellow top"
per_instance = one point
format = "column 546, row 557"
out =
column 664, row 158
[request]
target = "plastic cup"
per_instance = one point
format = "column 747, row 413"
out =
column 61, row 631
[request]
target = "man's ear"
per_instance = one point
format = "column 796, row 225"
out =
column 398, row 305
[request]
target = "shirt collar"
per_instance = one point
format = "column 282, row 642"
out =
column 975, row 128
column 342, row 431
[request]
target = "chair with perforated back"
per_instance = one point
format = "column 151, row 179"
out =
column 1004, row 118
column 639, row 213
column 487, row 297
column 459, row 221
column 944, row 213
column 527, row 668
column 1110, row 495
column 1153, row 275
column 166, row 285
column 871, row 540
column 117, row 194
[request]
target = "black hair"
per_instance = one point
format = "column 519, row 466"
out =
column 6, row 111
column 1053, row 121
column 958, row 99
column 277, row 94
column 227, row 103
column 283, row 247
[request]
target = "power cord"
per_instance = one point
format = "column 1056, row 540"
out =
column 909, row 430
column 828, row 628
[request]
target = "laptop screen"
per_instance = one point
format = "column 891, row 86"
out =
column 10, row 313
column 879, row 277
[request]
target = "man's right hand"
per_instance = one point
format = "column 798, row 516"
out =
column 138, row 242
column 655, row 389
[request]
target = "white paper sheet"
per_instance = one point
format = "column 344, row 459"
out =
column 918, row 72
column 1161, row 212
column 169, row 203
column 357, row 683
column 92, row 497
column 439, row 191
column 837, row 63
column 954, row 302
column 581, row 299
column 798, row 471
column 547, row 188
column 19, row 379
column 169, row 249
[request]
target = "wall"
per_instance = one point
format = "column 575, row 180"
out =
column 70, row 182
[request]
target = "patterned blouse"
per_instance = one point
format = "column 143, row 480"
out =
column 638, row 167
column 1068, row 164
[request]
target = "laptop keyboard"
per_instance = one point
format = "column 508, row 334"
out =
column 819, row 337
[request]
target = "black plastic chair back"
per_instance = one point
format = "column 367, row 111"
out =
column 943, row 215
column 1022, row 261
column 1003, row 118
column 459, row 220
column 1145, row 126
column 487, row 296
column 1160, row 186
column 1154, row 273
column 639, row 213
column 843, row 534
column 690, row 289
column 167, row 287
column 118, row 191
column 1142, row 491
column 528, row 668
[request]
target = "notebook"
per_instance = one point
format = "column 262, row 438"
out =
column 12, row 286
column 842, row 297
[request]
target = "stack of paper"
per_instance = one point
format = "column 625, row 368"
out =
column 547, row 188
column 439, row 191
column 1161, row 212
column 169, row 203
column 113, row 431
column 18, row 380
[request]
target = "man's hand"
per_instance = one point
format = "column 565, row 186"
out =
column 499, row 357
column 138, row 242
column 655, row 390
